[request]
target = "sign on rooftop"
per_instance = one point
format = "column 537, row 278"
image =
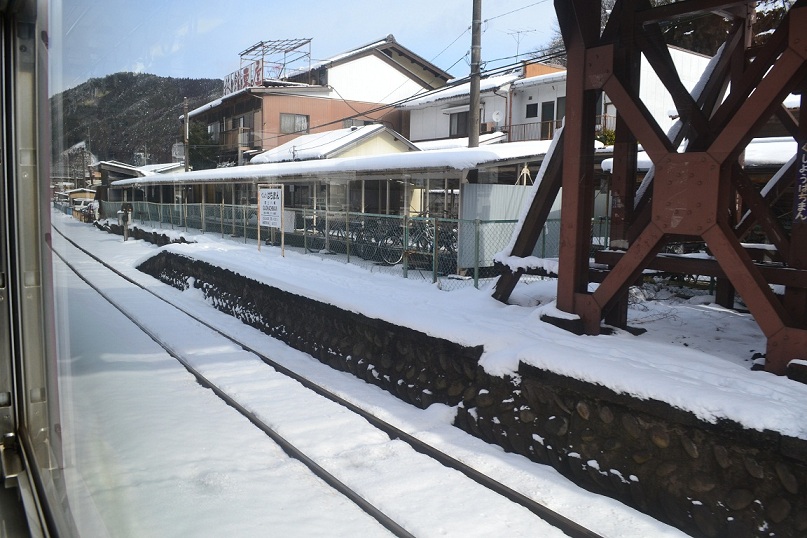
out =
column 246, row 77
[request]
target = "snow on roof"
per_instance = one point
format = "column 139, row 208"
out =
column 159, row 168
column 792, row 101
column 463, row 90
column 540, row 79
column 770, row 151
column 268, row 88
column 774, row 151
column 453, row 143
column 388, row 40
column 353, row 52
column 78, row 190
column 215, row 103
column 119, row 164
column 488, row 84
column 321, row 145
column 340, row 170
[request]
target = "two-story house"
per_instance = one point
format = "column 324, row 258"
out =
column 357, row 87
column 530, row 103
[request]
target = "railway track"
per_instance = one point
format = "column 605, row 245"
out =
column 549, row 516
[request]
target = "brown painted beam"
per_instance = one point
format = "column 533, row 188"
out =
column 761, row 211
column 686, row 8
column 630, row 266
column 786, row 72
column 770, row 198
column 685, row 265
column 796, row 299
column 708, row 101
column 741, row 89
column 639, row 119
column 655, row 50
column 580, row 30
column 788, row 344
column 545, row 196
column 627, row 66
column 788, row 121
column 746, row 279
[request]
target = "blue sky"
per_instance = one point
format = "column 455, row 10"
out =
column 203, row 38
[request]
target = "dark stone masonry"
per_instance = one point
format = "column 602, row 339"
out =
column 706, row 479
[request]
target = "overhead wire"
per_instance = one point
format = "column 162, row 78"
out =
column 405, row 100
column 548, row 54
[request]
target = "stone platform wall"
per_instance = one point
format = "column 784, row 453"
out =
column 706, row 479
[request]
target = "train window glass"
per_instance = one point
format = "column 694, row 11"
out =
column 117, row 448
column 118, row 437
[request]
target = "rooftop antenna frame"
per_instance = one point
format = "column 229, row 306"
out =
column 277, row 56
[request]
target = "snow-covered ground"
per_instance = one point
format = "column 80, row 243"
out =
column 154, row 454
column 695, row 355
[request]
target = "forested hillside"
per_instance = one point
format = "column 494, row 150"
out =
column 127, row 113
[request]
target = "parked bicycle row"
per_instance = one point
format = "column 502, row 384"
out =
column 384, row 239
column 453, row 252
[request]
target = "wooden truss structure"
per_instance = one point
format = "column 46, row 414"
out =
column 701, row 192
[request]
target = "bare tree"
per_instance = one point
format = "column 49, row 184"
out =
column 702, row 33
column 555, row 50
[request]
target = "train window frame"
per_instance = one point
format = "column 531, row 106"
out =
column 31, row 443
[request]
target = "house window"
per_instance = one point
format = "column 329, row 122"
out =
column 547, row 119
column 293, row 123
column 213, row 129
column 459, row 125
column 354, row 122
column 561, row 109
column 532, row 110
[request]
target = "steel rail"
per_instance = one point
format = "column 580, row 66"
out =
column 283, row 443
column 569, row 527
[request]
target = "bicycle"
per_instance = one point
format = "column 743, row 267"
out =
column 334, row 233
column 420, row 241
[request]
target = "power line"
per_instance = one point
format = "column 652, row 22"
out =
column 455, row 82
column 449, row 45
column 515, row 10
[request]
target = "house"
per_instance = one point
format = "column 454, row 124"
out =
column 383, row 187
column 372, row 139
column 443, row 114
column 354, row 141
column 74, row 166
column 110, row 171
column 355, row 88
column 76, row 202
column 530, row 102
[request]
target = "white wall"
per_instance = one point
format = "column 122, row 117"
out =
column 654, row 95
column 433, row 122
column 535, row 94
column 372, row 80
column 430, row 123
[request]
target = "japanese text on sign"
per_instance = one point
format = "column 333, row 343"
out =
column 250, row 75
column 800, row 202
column 270, row 210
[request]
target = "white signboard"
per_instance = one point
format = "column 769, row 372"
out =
column 270, row 213
column 270, row 206
column 248, row 76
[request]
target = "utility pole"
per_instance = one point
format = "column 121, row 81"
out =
column 83, row 166
column 187, row 147
column 88, row 162
column 476, row 55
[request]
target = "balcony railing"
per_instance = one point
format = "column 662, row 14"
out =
column 233, row 139
column 545, row 130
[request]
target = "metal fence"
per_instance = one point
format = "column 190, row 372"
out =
column 451, row 253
